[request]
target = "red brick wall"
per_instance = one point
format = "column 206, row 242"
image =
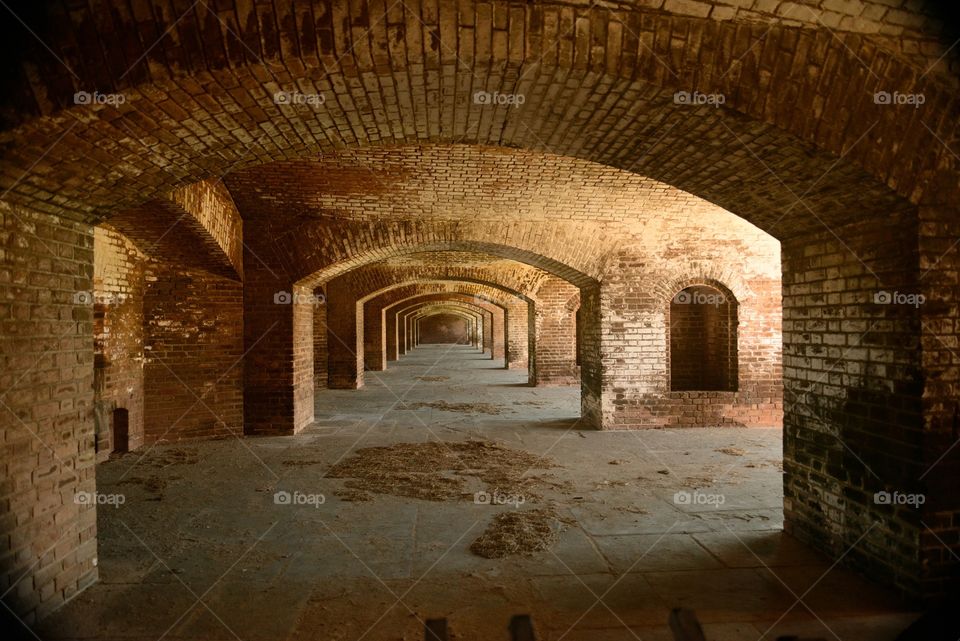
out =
column 46, row 417
column 444, row 328
column 118, row 281
column 193, row 377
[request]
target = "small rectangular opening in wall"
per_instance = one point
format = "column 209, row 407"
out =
column 121, row 430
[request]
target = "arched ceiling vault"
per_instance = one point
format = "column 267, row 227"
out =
column 797, row 134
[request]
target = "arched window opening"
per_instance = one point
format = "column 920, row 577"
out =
column 703, row 340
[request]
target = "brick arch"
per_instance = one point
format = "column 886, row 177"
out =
column 729, row 284
column 520, row 338
column 437, row 310
column 512, row 275
column 345, row 322
column 410, row 312
column 570, row 257
column 386, row 339
column 625, row 100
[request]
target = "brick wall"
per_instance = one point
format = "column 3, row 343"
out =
column 556, row 303
column 118, row 280
column 46, row 411
column 320, row 341
column 193, row 341
column 939, row 283
column 444, row 327
column 637, row 293
column 852, row 389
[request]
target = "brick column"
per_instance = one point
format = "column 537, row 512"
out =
column 344, row 337
column 268, row 366
column 853, row 391
column 939, row 284
column 320, row 341
column 193, row 343
column 556, row 340
column 374, row 337
column 519, row 333
column 46, row 412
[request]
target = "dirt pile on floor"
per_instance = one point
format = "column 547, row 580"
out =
column 437, row 471
column 732, row 451
column 519, row 532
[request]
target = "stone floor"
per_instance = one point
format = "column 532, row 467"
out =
column 199, row 549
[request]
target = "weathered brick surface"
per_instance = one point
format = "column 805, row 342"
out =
column 46, row 410
column 852, row 393
column 939, row 283
column 703, row 340
column 636, row 295
column 118, row 279
column 193, row 341
column 196, row 226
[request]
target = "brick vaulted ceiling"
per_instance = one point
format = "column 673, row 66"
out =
column 598, row 80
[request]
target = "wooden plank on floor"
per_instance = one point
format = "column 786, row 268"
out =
column 684, row 625
column 436, row 630
column 521, row 628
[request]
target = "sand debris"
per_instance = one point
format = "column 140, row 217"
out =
column 519, row 532
column 432, row 379
column 732, row 451
column 434, row 471
column 466, row 408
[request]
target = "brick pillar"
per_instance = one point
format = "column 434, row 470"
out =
column 406, row 332
column 320, row 341
column 390, row 329
column 591, row 363
column 268, row 366
column 303, row 362
column 939, row 262
column 344, row 337
column 852, row 395
column 518, row 337
column 193, row 344
column 374, row 337
column 46, row 389
column 556, row 340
